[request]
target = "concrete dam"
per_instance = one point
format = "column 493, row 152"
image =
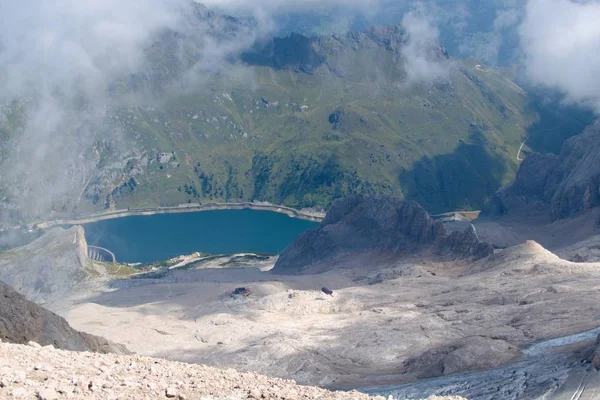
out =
column 101, row 254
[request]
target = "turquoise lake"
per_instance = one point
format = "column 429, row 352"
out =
column 158, row 237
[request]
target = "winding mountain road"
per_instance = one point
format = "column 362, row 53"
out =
column 521, row 149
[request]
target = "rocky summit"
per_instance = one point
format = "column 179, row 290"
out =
column 377, row 223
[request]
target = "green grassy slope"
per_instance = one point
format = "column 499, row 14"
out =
column 305, row 121
column 348, row 125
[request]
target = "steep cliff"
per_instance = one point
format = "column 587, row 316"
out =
column 565, row 186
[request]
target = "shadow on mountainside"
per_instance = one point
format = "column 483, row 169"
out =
column 464, row 179
column 294, row 52
column 310, row 180
column 557, row 122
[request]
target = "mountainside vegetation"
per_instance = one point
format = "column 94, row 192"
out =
column 299, row 121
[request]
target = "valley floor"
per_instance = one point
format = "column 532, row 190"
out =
column 396, row 322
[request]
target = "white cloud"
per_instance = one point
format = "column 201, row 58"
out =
column 422, row 62
column 507, row 18
column 75, row 42
column 277, row 6
column 58, row 58
column 561, row 43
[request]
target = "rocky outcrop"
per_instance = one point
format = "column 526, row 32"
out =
column 22, row 321
column 463, row 244
column 565, row 185
column 361, row 223
column 51, row 268
column 594, row 356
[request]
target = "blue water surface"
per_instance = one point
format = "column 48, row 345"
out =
column 157, row 237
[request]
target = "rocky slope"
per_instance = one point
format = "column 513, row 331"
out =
column 51, row 268
column 49, row 374
column 462, row 355
column 390, row 320
column 475, row 37
column 565, row 186
column 585, row 251
column 377, row 223
column 22, row 321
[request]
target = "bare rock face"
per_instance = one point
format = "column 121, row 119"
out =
column 565, row 185
column 49, row 269
column 361, row 223
column 22, row 321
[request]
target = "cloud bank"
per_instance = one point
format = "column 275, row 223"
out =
column 57, row 59
column 422, row 63
column 76, row 45
column 561, row 44
column 280, row 6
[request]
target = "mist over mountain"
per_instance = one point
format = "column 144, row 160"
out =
column 481, row 29
column 165, row 102
column 549, row 41
column 155, row 155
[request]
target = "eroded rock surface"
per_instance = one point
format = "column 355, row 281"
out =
column 467, row 354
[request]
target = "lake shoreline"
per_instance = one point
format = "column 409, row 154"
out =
column 291, row 212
